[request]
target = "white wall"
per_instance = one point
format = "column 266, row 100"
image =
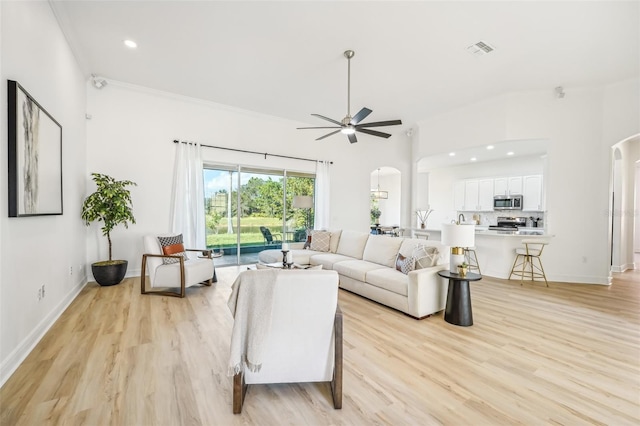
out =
column 37, row 251
column 580, row 128
column 130, row 137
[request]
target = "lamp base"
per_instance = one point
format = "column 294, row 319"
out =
column 456, row 258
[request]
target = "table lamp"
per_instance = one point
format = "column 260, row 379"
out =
column 457, row 237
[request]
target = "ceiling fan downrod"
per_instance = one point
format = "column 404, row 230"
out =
column 348, row 54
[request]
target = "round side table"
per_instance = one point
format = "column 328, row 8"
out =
column 458, row 309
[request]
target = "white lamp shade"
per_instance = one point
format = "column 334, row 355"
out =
column 458, row 235
column 302, row 202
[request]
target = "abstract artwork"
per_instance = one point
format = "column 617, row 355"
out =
column 35, row 156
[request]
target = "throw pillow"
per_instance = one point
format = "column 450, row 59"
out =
column 320, row 240
column 172, row 246
column 405, row 264
column 425, row 257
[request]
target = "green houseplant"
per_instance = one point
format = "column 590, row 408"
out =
column 110, row 204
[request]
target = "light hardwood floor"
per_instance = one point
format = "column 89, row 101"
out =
column 568, row 354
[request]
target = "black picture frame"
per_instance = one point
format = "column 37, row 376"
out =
column 35, row 156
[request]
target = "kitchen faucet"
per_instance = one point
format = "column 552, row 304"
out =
column 460, row 222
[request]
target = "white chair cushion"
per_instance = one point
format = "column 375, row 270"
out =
column 300, row 340
column 195, row 271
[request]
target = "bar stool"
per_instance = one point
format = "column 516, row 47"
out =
column 532, row 250
column 472, row 259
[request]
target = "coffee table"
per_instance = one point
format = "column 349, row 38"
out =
column 458, row 308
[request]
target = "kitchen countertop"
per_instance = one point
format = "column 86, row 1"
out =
column 521, row 232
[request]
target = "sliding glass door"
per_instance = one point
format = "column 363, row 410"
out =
column 249, row 210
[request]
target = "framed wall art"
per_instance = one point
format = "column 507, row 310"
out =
column 35, row 156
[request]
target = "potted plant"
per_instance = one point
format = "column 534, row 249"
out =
column 375, row 215
column 462, row 269
column 111, row 204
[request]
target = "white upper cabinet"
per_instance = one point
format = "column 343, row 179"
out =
column 507, row 185
column 485, row 195
column 473, row 195
column 532, row 199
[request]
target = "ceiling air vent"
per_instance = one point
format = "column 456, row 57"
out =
column 480, row 48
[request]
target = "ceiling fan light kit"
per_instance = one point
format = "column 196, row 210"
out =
column 350, row 125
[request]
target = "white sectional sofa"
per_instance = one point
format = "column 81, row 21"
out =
column 366, row 265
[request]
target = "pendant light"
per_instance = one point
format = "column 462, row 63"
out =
column 377, row 194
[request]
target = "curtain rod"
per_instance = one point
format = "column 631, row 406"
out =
column 253, row 152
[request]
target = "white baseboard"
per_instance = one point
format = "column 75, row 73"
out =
column 622, row 268
column 9, row 365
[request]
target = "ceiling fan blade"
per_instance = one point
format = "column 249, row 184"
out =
column 328, row 119
column 361, row 115
column 352, row 138
column 381, row 123
column 373, row 132
column 333, row 127
column 328, row 134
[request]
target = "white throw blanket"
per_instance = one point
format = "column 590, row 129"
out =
column 251, row 304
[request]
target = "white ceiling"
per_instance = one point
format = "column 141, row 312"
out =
column 285, row 58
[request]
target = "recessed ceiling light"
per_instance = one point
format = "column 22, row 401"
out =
column 489, row 146
column 474, row 159
column 510, row 153
column 130, row 44
column 452, row 154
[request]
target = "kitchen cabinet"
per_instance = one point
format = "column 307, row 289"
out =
column 507, row 185
column 473, row 195
column 532, row 199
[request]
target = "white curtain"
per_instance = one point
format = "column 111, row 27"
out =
column 187, row 216
column 323, row 195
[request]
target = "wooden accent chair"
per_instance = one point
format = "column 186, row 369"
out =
column 173, row 279
column 304, row 343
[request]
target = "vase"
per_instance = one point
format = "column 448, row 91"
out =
column 462, row 271
column 422, row 225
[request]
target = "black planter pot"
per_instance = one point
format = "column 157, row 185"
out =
column 109, row 272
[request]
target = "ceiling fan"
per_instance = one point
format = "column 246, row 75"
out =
column 350, row 125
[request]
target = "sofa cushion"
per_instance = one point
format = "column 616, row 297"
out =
column 335, row 239
column 382, row 249
column 327, row 260
column 320, row 241
column 356, row 269
column 405, row 264
column 352, row 244
column 389, row 279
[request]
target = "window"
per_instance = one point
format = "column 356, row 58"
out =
column 249, row 210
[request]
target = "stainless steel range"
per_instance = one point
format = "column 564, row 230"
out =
column 506, row 223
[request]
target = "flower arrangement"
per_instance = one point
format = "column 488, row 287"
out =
column 423, row 215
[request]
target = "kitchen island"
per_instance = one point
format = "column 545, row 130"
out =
column 496, row 250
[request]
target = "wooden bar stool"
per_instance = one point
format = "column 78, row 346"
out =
column 471, row 258
column 525, row 256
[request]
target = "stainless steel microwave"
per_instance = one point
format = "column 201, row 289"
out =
column 507, row 202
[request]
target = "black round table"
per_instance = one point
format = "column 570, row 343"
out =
column 458, row 309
